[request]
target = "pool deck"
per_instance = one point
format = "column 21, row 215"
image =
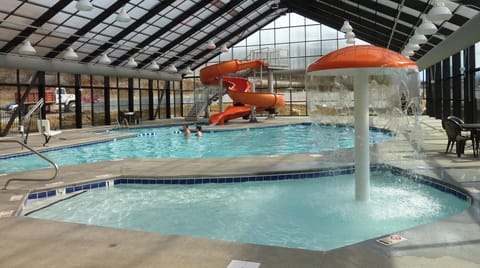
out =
column 28, row 242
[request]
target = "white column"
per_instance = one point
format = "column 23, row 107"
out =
column 362, row 154
column 220, row 94
column 270, row 80
column 253, row 110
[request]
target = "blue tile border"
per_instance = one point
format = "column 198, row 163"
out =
column 253, row 178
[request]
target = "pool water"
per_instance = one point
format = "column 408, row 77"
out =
column 169, row 142
column 316, row 214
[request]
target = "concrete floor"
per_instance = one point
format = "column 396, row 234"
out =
column 453, row 242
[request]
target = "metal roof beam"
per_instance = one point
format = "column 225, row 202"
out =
column 220, row 28
column 155, row 10
column 229, row 37
column 194, row 29
column 85, row 29
column 162, row 31
column 37, row 23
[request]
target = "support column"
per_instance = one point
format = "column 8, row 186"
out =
column 220, row 94
column 362, row 154
column 78, row 101
column 253, row 109
column 151, row 114
column 270, row 81
column 130, row 95
column 106, row 97
column 41, row 94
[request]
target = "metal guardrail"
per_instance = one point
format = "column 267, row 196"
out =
column 54, row 165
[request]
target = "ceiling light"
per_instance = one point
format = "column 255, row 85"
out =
column 153, row 66
column 171, row 68
column 131, row 62
column 439, row 12
column 346, row 27
column 407, row 53
column 70, row 54
column 84, row 5
column 123, row 16
column 224, row 48
column 187, row 70
column 418, row 39
column 349, row 35
column 351, row 40
column 104, row 59
column 412, row 46
column 426, row 27
column 27, row 49
column 211, row 44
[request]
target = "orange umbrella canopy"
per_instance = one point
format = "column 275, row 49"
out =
column 363, row 56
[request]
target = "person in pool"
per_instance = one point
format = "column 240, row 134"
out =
column 199, row 131
column 186, row 130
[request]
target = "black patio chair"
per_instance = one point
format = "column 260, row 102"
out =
column 454, row 134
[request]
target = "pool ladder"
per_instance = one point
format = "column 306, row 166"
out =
column 53, row 164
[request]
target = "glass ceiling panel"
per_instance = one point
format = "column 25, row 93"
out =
column 111, row 31
column 70, row 20
column 76, row 22
column 60, row 17
column 137, row 13
column 8, row 34
column 18, row 22
column 67, row 30
column 467, row 12
column 10, row 7
column 31, row 11
column 150, row 30
column 51, row 42
column 45, row 2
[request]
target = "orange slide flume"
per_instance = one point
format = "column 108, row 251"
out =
column 239, row 90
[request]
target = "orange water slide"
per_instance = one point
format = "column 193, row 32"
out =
column 239, row 90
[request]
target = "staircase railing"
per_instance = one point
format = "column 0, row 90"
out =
column 202, row 99
column 53, row 164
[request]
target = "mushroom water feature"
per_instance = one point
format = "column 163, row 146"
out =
column 360, row 62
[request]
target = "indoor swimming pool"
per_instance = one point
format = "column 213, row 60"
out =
column 169, row 142
column 313, row 211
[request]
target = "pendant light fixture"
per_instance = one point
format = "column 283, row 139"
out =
column 187, row 70
column 123, row 16
column 412, row 46
column 418, row 39
column 171, row 69
column 104, row 59
column 131, row 62
column 346, row 27
column 439, row 12
column 349, row 35
column 407, row 53
column 70, row 54
column 153, row 66
column 426, row 27
column 211, row 44
column 224, row 48
column 27, row 49
column 84, row 5
column 351, row 41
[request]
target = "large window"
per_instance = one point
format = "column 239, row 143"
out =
column 300, row 41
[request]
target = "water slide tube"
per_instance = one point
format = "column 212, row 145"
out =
column 239, row 90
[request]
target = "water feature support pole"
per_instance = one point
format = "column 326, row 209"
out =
column 362, row 154
column 220, row 94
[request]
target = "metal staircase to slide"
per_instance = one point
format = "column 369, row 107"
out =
column 202, row 98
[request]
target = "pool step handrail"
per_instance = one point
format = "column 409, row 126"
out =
column 53, row 164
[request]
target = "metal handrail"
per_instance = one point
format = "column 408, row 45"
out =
column 55, row 166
